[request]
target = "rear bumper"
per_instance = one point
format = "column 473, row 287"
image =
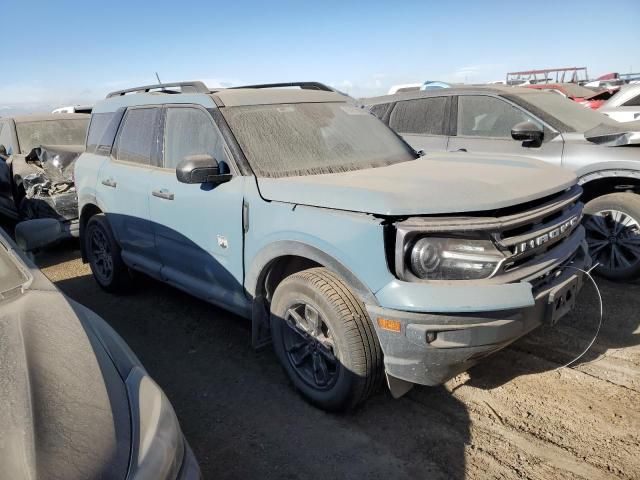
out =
column 431, row 348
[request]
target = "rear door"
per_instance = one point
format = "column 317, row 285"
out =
column 422, row 122
column 124, row 183
column 484, row 126
column 198, row 227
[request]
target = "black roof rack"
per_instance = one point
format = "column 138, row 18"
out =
column 185, row 87
column 303, row 85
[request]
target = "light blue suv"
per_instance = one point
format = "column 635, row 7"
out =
column 354, row 255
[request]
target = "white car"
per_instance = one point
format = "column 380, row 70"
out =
column 624, row 106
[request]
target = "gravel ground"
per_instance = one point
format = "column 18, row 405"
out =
column 512, row 416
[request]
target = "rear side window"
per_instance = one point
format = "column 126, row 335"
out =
column 634, row 102
column 188, row 132
column 97, row 128
column 424, row 116
column 137, row 138
column 5, row 137
column 482, row 116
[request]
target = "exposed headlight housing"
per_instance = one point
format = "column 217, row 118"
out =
column 438, row 258
column 158, row 445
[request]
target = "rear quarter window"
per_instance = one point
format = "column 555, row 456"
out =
column 424, row 116
column 634, row 102
column 97, row 128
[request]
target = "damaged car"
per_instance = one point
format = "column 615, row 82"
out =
column 76, row 402
column 353, row 256
column 524, row 122
column 37, row 153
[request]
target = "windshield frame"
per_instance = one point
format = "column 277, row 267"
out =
column 56, row 120
column 320, row 170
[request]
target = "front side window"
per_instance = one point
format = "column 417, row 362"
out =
column 483, row 116
column 422, row 116
column 284, row 140
column 138, row 136
column 188, row 132
column 51, row 132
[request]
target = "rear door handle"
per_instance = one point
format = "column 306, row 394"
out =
column 109, row 182
column 163, row 193
column 461, row 150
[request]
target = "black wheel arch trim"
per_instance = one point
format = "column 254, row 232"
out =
column 255, row 276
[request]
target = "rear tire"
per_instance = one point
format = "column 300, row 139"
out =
column 325, row 341
column 612, row 224
column 103, row 254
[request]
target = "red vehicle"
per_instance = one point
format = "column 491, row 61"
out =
column 575, row 92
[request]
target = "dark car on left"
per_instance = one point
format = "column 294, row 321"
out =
column 37, row 153
column 76, row 402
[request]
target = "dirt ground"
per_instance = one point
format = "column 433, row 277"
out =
column 512, row 416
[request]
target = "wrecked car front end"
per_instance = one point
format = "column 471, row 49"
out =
column 468, row 286
column 46, row 174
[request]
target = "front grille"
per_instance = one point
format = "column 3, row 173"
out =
column 528, row 238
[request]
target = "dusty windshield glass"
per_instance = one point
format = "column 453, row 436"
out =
column 312, row 138
column 576, row 116
column 51, row 132
column 10, row 275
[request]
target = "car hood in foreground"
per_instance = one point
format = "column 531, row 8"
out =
column 65, row 411
column 433, row 184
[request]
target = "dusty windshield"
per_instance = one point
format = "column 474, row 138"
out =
column 51, row 132
column 10, row 275
column 578, row 117
column 312, row 138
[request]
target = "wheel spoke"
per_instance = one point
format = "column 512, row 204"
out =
column 312, row 320
column 299, row 353
column 620, row 258
column 596, row 245
column 320, row 370
column 596, row 223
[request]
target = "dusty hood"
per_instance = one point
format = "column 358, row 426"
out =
column 433, row 184
column 64, row 406
column 615, row 135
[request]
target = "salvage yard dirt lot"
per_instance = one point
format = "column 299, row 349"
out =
column 512, row 416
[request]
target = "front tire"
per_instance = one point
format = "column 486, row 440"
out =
column 612, row 224
column 103, row 254
column 325, row 341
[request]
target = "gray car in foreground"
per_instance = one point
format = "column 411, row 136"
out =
column 604, row 153
column 76, row 402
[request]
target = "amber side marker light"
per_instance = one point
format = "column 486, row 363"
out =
column 391, row 325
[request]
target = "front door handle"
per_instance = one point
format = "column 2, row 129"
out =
column 163, row 193
column 461, row 150
column 109, row 182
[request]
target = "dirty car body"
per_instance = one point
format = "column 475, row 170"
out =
column 76, row 402
column 37, row 153
column 439, row 263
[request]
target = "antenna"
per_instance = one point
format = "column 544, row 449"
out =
column 158, row 77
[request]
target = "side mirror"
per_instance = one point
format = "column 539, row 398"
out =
column 200, row 169
column 527, row 132
column 38, row 233
column 3, row 151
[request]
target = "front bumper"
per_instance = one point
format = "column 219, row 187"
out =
column 430, row 348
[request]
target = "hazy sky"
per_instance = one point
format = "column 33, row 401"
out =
column 61, row 52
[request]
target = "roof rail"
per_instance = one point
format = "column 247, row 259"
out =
column 303, row 85
column 185, row 87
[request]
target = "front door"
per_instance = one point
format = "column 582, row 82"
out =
column 484, row 126
column 123, row 187
column 198, row 227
